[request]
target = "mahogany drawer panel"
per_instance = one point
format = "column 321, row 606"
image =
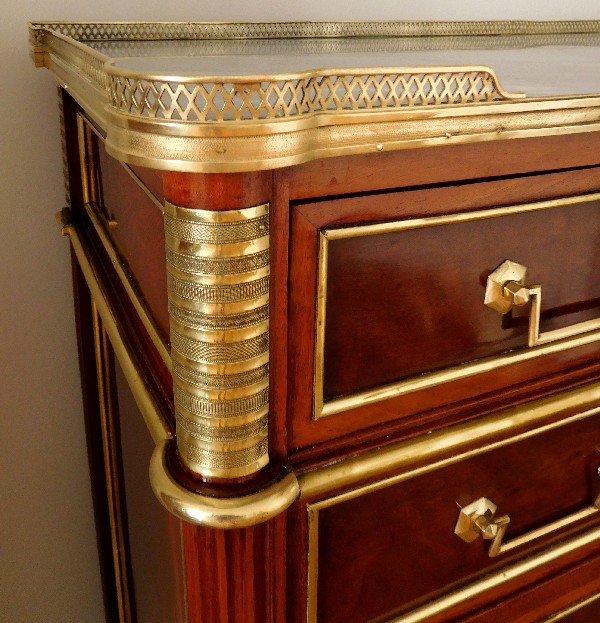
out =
column 394, row 548
column 411, row 302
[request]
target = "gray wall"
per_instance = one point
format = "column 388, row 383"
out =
column 48, row 567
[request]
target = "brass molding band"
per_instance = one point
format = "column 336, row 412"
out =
column 219, row 316
column 442, row 448
column 437, row 451
column 219, row 512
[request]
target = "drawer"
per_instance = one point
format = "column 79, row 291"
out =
column 401, row 322
column 386, row 549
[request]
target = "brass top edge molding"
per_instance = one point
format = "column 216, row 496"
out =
column 99, row 31
column 211, row 124
column 224, row 513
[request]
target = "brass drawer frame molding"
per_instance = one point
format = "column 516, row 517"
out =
column 546, row 344
column 218, row 291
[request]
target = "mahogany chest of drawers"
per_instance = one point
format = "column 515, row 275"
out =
column 310, row 258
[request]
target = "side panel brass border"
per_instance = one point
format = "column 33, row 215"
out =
column 425, row 381
column 85, row 131
column 351, row 470
column 157, row 426
column 110, row 450
column 218, row 288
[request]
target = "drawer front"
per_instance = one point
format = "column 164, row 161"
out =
column 401, row 321
column 376, row 552
column 410, row 302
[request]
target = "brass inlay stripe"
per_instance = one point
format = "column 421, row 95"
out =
column 427, row 380
column 217, row 265
column 204, row 380
column 571, row 609
column 110, row 451
column 207, row 352
column 216, row 232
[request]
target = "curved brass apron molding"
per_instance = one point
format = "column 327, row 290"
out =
column 238, row 512
column 200, row 509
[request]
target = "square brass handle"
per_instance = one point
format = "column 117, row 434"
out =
column 479, row 519
column 505, row 289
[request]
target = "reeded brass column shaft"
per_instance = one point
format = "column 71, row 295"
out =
column 218, row 288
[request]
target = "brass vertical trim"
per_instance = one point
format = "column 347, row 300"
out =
column 313, row 563
column 110, row 452
column 218, row 290
column 63, row 142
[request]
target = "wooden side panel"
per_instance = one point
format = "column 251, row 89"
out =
column 138, row 232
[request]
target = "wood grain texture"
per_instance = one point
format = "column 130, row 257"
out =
column 548, row 597
column 217, row 191
column 236, row 575
column 440, row 165
column 139, row 234
column 372, row 297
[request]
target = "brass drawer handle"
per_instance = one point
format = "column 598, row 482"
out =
column 506, row 289
column 479, row 519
